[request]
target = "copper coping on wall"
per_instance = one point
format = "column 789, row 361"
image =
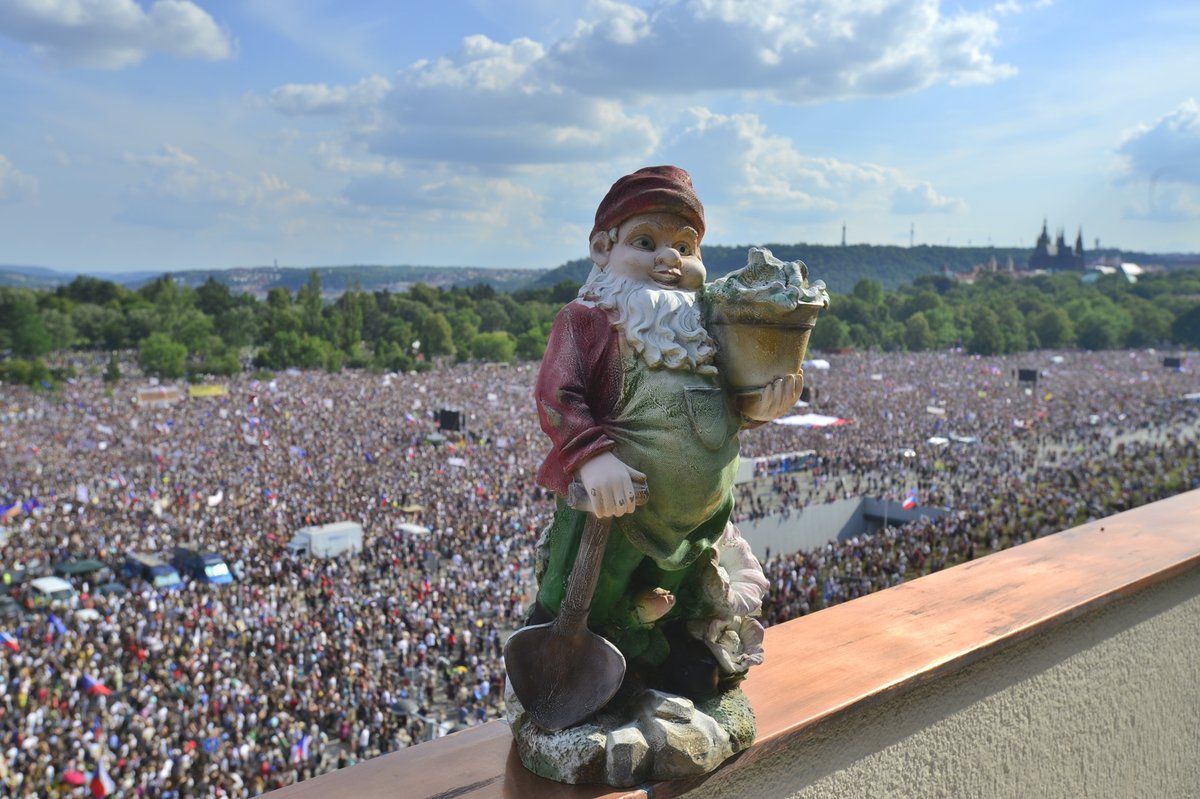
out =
column 855, row 653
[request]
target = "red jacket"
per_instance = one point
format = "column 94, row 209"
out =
column 578, row 388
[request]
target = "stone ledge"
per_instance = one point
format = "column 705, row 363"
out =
column 849, row 656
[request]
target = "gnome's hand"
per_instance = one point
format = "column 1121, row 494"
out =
column 773, row 400
column 609, row 483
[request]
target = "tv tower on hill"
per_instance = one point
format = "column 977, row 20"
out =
column 843, row 233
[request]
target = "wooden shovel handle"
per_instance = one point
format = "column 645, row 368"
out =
column 581, row 585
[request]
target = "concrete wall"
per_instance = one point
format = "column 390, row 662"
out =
column 815, row 525
column 1106, row 705
column 807, row 528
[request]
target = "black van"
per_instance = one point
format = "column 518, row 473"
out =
column 199, row 563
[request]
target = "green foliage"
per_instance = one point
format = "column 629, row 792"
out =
column 205, row 330
column 437, row 338
column 918, row 336
column 1054, row 328
column 25, row 330
column 830, row 334
column 986, row 335
column 162, row 356
column 495, row 347
column 112, row 372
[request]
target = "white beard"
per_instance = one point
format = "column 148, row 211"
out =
column 661, row 325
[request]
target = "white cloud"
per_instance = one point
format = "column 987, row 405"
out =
column 486, row 104
column 762, row 180
column 112, row 34
column 605, row 91
column 1167, row 151
column 295, row 99
column 797, row 52
column 15, row 186
column 920, row 198
column 180, row 191
column 1005, row 7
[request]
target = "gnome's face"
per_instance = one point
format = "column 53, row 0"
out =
column 657, row 250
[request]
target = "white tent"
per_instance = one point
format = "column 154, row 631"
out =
column 820, row 364
column 810, row 420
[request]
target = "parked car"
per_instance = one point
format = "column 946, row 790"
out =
column 112, row 588
column 10, row 610
column 13, row 578
column 327, row 540
column 200, row 563
column 151, row 569
column 50, row 592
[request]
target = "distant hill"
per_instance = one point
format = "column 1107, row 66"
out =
column 258, row 280
column 840, row 268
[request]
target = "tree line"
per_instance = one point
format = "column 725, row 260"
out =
column 178, row 331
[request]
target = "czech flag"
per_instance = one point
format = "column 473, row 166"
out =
column 10, row 642
column 10, row 511
column 910, row 501
column 94, row 686
column 102, row 785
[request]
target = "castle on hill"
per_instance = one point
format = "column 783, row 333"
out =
column 1057, row 257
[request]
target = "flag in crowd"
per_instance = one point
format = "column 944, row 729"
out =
column 93, row 686
column 102, row 785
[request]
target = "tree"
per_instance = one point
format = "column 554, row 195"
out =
column 309, row 300
column 1151, row 324
column 869, row 291
column 492, row 316
column 986, row 336
column 495, row 347
column 437, row 338
column 830, row 333
column 27, row 334
column 531, row 345
column 161, row 355
column 1186, row 329
column 192, row 329
column 1054, row 328
column 112, row 373
column 237, row 327
column 1097, row 330
column 91, row 290
column 917, row 334
column 225, row 363
column 213, row 297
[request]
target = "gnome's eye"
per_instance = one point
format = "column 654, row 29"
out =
column 683, row 248
column 643, row 243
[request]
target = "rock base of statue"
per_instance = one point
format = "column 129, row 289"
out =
column 641, row 735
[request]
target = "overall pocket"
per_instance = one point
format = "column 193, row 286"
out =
column 708, row 415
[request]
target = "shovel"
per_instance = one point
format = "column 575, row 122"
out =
column 561, row 671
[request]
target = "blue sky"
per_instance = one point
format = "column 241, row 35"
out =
column 196, row 134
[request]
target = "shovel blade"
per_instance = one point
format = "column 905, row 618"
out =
column 561, row 679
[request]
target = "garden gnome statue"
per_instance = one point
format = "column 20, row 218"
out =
column 644, row 440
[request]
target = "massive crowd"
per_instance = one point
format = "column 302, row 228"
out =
column 305, row 664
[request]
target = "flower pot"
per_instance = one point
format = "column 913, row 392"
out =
column 753, row 350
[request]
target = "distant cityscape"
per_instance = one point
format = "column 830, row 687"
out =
column 840, row 266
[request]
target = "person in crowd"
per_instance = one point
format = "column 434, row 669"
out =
column 230, row 691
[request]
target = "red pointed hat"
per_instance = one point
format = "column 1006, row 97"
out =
column 651, row 190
